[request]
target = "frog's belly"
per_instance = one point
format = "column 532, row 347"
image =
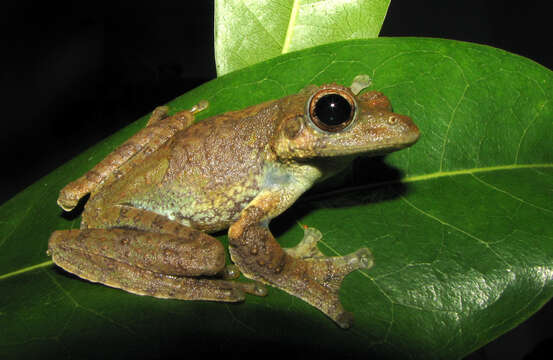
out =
column 206, row 210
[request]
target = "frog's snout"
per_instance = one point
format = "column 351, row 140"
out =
column 402, row 129
column 412, row 130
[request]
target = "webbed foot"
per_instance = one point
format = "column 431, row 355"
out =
column 303, row 271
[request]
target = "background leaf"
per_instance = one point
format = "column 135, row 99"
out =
column 248, row 32
column 460, row 224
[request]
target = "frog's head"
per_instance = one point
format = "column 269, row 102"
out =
column 332, row 120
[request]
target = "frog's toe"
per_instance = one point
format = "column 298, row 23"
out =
column 364, row 258
column 161, row 111
column 307, row 247
column 345, row 320
column 254, row 288
column 232, row 294
column 66, row 203
column 230, row 272
column 158, row 114
column 259, row 289
column 360, row 259
column 201, row 106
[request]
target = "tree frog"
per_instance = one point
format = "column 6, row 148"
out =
column 155, row 199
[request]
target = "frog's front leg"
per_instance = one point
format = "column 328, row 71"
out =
column 147, row 254
column 158, row 130
column 302, row 271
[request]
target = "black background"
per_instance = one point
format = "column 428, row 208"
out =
column 72, row 73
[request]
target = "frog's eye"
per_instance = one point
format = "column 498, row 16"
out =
column 331, row 109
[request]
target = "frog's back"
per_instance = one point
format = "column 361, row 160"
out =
column 206, row 174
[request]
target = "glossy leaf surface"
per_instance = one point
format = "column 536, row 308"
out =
column 459, row 224
column 248, row 32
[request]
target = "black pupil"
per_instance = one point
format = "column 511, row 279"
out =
column 332, row 109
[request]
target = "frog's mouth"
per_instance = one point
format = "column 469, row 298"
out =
column 379, row 150
column 379, row 145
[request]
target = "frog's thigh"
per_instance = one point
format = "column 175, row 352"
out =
column 147, row 263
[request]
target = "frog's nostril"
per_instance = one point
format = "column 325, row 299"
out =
column 392, row 120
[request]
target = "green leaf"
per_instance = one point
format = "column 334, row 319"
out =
column 248, row 32
column 459, row 224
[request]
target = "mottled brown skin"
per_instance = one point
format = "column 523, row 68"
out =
column 153, row 199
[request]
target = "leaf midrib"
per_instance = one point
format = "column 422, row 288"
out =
column 290, row 29
column 430, row 176
column 409, row 179
column 440, row 174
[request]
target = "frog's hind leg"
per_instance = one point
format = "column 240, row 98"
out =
column 146, row 253
column 144, row 263
column 159, row 129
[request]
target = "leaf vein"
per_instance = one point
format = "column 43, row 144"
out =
column 525, row 131
column 76, row 304
column 270, row 35
column 509, row 194
column 445, row 223
column 451, row 118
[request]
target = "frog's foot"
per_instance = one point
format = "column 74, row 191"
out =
column 302, row 271
column 125, row 259
column 330, row 270
column 307, row 249
column 335, row 268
